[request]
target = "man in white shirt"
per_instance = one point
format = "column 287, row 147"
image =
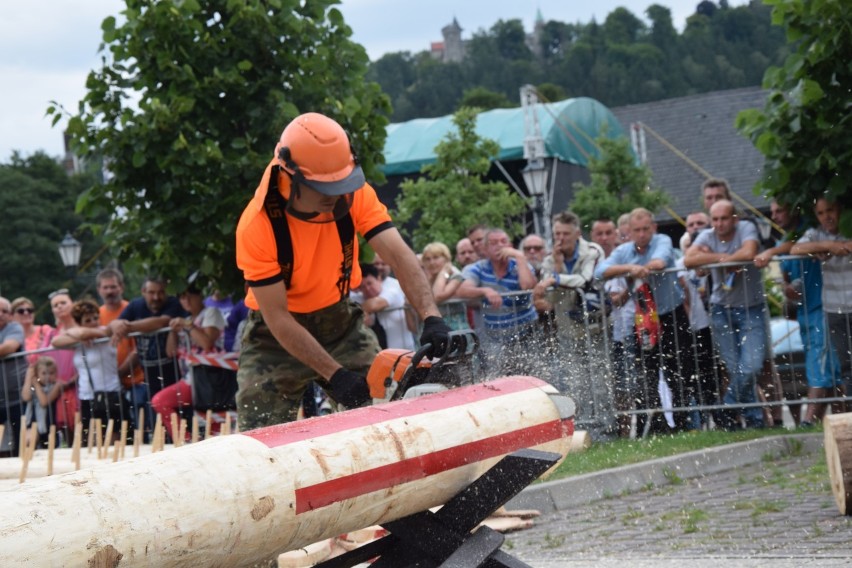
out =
column 384, row 307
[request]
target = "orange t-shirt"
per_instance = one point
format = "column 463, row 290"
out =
column 317, row 252
column 125, row 346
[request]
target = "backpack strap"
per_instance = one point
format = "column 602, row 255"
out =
column 276, row 207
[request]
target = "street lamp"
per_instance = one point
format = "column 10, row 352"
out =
column 535, row 178
column 69, row 250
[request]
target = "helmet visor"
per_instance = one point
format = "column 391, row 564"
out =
column 351, row 183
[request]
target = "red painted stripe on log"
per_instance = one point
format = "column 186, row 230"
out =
column 418, row 467
column 282, row 434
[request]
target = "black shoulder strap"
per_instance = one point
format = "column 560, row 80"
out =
column 276, row 207
column 346, row 232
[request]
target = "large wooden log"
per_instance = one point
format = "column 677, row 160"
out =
column 241, row 499
column 838, row 456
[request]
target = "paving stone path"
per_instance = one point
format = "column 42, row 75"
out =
column 777, row 512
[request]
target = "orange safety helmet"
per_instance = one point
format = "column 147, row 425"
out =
column 315, row 151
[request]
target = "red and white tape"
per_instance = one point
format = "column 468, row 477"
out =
column 223, row 360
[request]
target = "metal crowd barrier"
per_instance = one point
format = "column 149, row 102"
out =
column 161, row 372
column 613, row 382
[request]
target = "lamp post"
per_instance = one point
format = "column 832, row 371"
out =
column 535, row 172
column 69, row 250
column 535, row 178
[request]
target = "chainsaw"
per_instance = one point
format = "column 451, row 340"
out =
column 401, row 373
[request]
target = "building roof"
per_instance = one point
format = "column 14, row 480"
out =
column 568, row 127
column 701, row 127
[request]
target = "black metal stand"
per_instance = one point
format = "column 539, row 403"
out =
column 443, row 539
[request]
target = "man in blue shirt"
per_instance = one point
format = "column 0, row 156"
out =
column 509, row 316
column 146, row 315
column 649, row 258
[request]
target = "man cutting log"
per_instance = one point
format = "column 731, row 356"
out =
column 298, row 251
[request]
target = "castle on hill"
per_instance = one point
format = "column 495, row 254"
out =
column 452, row 49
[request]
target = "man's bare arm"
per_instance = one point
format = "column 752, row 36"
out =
column 294, row 338
column 9, row 346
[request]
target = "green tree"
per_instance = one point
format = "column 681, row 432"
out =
column 805, row 128
column 37, row 199
column 485, row 99
column 618, row 184
column 453, row 195
column 188, row 106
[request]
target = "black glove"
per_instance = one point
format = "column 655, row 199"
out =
column 349, row 388
column 436, row 332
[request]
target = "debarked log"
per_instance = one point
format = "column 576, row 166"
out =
column 240, row 499
column 838, row 456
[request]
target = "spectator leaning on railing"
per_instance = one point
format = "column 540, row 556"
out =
column 803, row 285
column 834, row 250
column 737, row 306
column 509, row 319
column 647, row 259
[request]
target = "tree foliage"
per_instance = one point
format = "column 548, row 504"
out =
column 188, row 106
column 37, row 199
column 805, row 129
column 624, row 60
column 617, row 184
column 453, row 195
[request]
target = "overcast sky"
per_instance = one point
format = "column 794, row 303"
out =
column 47, row 47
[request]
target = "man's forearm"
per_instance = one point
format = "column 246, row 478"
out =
column 8, row 347
column 149, row 325
column 694, row 259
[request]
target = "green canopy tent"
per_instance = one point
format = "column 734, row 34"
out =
column 568, row 129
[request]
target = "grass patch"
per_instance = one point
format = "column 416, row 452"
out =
column 761, row 507
column 687, row 518
column 672, row 477
column 616, row 453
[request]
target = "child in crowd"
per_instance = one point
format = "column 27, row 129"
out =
column 40, row 391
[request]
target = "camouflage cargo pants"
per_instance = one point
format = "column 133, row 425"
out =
column 272, row 382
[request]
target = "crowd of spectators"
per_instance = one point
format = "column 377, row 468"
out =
column 687, row 326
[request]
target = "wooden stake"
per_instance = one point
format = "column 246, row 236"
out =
column 208, row 428
column 195, row 433
column 90, row 439
column 51, row 445
column 124, row 427
column 99, row 438
column 116, row 451
column 181, row 432
column 2, row 430
column 226, row 426
column 27, row 451
column 78, row 441
column 158, row 430
column 108, row 437
column 137, row 441
column 174, row 420
column 140, row 429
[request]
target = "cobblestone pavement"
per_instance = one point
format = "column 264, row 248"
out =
column 778, row 512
